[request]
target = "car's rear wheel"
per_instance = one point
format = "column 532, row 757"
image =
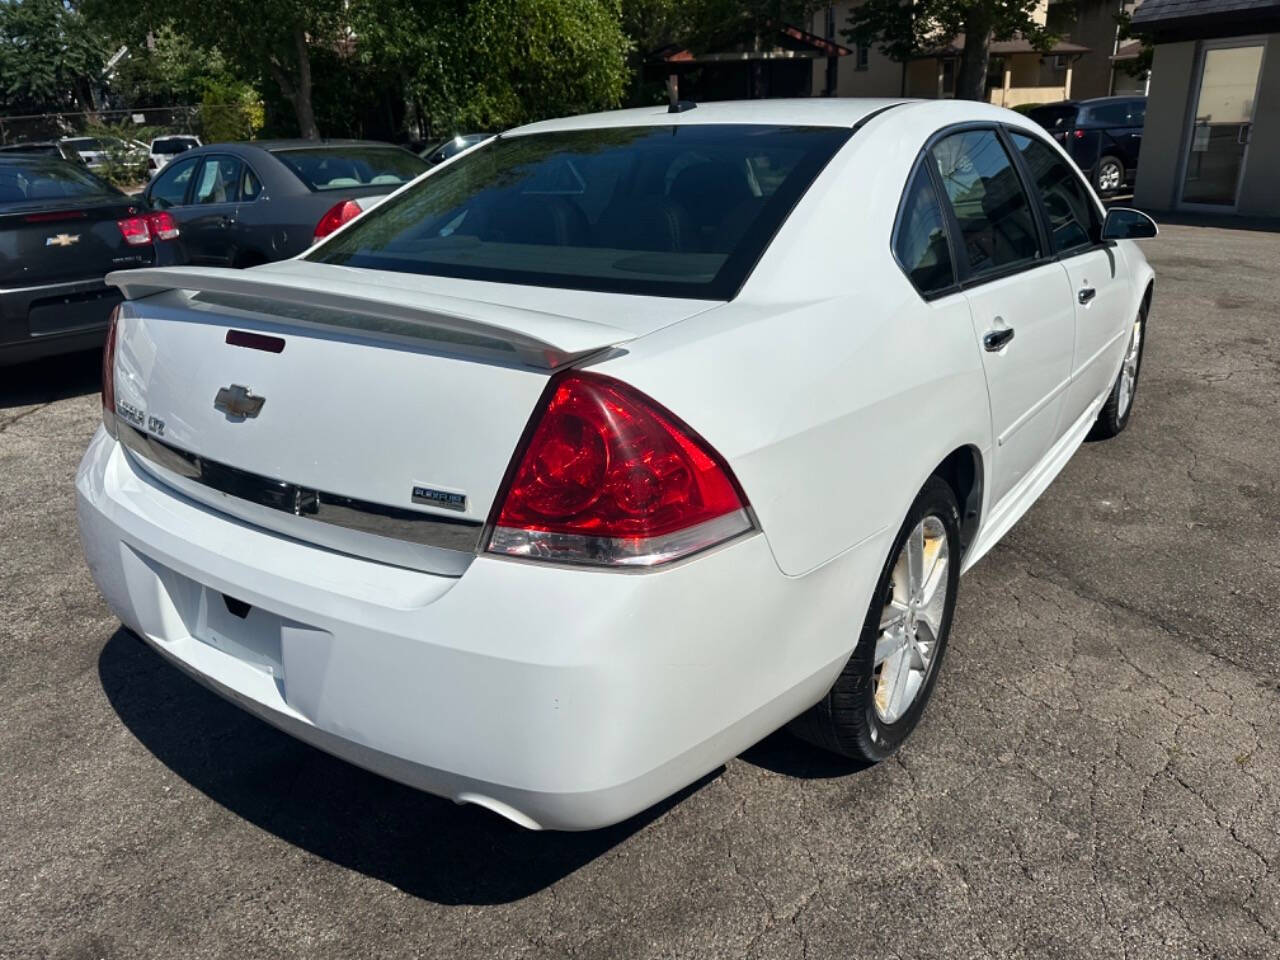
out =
column 1114, row 415
column 879, row 696
column 1108, row 178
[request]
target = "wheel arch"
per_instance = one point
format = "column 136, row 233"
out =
column 962, row 470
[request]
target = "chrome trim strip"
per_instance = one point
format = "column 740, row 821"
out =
column 76, row 286
column 303, row 512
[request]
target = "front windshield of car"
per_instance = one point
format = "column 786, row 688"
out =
column 669, row 211
column 343, row 167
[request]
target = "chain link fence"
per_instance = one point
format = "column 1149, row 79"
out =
column 142, row 124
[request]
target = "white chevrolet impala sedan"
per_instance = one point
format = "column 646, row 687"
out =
column 615, row 443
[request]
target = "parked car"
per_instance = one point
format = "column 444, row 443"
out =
column 586, row 461
column 1103, row 136
column 61, row 230
column 44, row 148
column 442, row 151
column 164, row 149
column 241, row 204
column 96, row 152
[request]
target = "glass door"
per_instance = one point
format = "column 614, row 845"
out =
column 1221, row 124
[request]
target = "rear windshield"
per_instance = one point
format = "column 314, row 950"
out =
column 173, row 145
column 1053, row 118
column 666, row 211
column 340, row 168
column 83, row 143
column 46, row 180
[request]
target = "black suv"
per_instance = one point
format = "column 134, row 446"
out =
column 1103, row 136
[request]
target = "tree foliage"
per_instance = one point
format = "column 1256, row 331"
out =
column 49, row 57
column 906, row 30
column 169, row 69
column 488, row 64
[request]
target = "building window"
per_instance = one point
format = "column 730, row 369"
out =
column 860, row 57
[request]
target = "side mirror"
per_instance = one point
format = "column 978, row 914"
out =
column 1124, row 223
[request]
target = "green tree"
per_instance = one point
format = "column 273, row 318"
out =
column 167, row 68
column 49, row 57
column 257, row 38
column 906, row 29
column 489, row 64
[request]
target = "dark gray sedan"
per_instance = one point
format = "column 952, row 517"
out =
column 240, row 204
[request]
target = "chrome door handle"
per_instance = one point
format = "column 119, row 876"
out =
column 1086, row 294
column 994, row 340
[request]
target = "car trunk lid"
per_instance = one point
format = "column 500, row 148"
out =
column 60, row 242
column 390, row 406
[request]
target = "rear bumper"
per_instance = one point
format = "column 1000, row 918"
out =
column 53, row 319
column 560, row 698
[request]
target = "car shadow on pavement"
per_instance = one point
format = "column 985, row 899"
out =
column 49, row 379
column 790, row 756
column 426, row 846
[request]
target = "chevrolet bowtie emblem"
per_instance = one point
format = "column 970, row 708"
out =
column 238, row 401
column 62, row 240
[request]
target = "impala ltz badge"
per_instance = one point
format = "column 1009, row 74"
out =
column 449, row 499
column 238, row 401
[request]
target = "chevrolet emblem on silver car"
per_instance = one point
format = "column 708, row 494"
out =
column 238, row 401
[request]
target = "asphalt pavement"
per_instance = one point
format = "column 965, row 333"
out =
column 1098, row 774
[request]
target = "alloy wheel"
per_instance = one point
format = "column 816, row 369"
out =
column 911, row 620
column 1109, row 176
column 1129, row 369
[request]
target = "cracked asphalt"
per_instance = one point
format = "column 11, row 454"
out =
column 1098, row 774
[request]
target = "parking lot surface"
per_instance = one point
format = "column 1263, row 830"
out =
column 1098, row 774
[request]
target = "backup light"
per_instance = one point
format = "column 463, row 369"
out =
column 608, row 477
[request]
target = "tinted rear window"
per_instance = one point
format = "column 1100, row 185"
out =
column 173, row 145
column 49, row 181
column 341, row 168
column 666, row 211
column 1053, row 118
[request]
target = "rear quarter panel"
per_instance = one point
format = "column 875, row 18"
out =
column 830, row 386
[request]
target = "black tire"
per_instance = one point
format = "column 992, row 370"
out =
column 1115, row 413
column 846, row 720
column 1108, row 176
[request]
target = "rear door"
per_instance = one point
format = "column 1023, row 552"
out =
column 1096, row 272
column 208, row 220
column 1018, row 295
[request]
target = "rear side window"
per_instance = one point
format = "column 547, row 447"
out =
column 1073, row 219
column 920, row 244
column 341, row 168
column 170, row 188
column 997, row 230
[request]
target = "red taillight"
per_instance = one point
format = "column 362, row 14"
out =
column 141, row 230
column 338, row 214
column 162, row 225
column 1078, row 134
column 109, row 374
column 606, row 476
column 135, row 231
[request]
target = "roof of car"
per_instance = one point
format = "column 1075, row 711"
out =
column 1121, row 97
column 805, row 112
column 300, row 143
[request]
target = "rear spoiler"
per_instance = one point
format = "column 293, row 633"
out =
column 542, row 339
